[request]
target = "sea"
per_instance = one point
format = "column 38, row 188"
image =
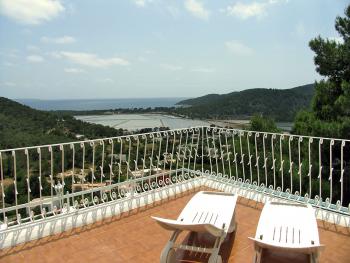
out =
column 100, row 104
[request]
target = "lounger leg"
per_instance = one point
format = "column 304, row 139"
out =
column 233, row 224
column 257, row 255
column 215, row 257
column 168, row 252
column 314, row 257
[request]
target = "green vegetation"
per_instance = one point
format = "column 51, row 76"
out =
column 263, row 124
column 330, row 112
column 281, row 105
column 23, row 126
column 159, row 110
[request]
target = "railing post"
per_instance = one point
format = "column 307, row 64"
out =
column 257, row 157
column 202, row 150
column 2, row 187
column 331, row 170
column 320, row 166
column 281, row 162
column 342, row 172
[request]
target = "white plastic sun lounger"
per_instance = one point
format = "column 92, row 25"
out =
column 210, row 212
column 289, row 227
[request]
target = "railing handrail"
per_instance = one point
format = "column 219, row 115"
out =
column 179, row 129
column 94, row 140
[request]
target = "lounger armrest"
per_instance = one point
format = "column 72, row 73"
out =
column 173, row 225
column 280, row 246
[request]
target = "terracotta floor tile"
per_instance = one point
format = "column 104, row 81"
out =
column 135, row 237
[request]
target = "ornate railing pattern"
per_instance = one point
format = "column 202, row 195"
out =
column 43, row 181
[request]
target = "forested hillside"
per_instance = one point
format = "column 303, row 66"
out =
column 278, row 104
column 23, row 126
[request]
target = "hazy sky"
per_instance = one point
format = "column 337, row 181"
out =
column 61, row 49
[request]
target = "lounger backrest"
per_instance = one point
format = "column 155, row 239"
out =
column 288, row 225
column 207, row 208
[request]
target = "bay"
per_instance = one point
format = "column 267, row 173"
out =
column 99, row 104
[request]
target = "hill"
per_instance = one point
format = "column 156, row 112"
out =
column 282, row 105
column 21, row 125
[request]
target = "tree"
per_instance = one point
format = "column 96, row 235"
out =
column 263, row 124
column 330, row 113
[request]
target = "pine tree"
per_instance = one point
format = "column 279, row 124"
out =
column 330, row 114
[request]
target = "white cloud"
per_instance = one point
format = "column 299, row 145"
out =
column 58, row 40
column 141, row 3
column 245, row 11
column 197, row 9
column 203, row 70
column 171, row 67
column 92, row 60
column 161, row 6
column 74, row 70
column 237, row 48
column 248, row 10
column 31, row 12
column 35, row 58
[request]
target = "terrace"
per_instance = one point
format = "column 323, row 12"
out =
column 44, row 218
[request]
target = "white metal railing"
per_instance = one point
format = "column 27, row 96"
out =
column 43, row 181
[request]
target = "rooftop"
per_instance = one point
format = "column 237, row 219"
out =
column 135, row 237
column 44, row 218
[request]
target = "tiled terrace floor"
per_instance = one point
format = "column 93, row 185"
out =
column 137, row 238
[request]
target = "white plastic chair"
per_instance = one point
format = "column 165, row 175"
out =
column 289, row 227
column 210, row 212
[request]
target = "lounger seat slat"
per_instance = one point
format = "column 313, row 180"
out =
column 195, row 249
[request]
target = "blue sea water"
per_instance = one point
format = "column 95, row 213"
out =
column 99, row 104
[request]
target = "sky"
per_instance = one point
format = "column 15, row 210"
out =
column 78, row 49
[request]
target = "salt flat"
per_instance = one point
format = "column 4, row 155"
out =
column 139, row 121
